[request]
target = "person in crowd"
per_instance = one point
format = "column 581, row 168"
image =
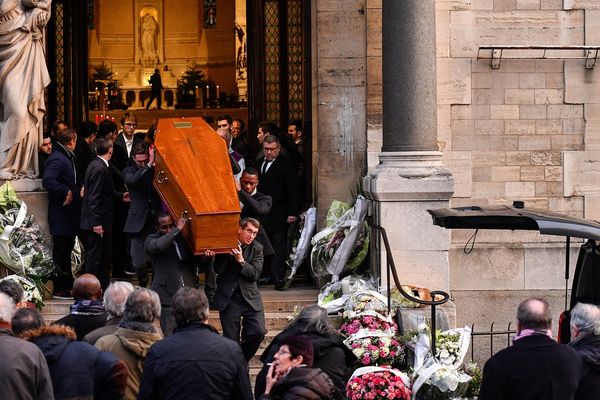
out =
column 108, row 129
column 157, row 88
column 97, row 213
column 265, row 129
column 173, row 265
column 585, row 339
column 291, row 375
column 115, row 297
column 56, row 127
column 84, row 154
column 295, row 132
column 78, row 370
column 238, row 298
column 536, row 366
column 224, row 130
column 87, row 312
column 278, row 180
column 44, row 151
column 134, row 336
column 24, row 371
column 255, row 205
column 238, row 142
column 128, row 136
column 329, row 352
column 145, row 204
column 64, row 208
column 195, row 361
column 12, row 289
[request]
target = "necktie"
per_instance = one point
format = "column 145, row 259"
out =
column 265, row 166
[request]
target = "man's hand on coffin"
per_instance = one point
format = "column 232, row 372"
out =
column 238, row 187
column 126, row 198
column 68, row 198
column 237, row 254
column 151, row 154
column 99, row 230
column 181, row 223
column 209, row 253
column 291, row 219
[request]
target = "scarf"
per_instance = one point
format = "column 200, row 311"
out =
column 531, row 332
column 137, row 326
column 88, row 307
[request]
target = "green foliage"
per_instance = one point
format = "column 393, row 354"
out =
column 193, row 77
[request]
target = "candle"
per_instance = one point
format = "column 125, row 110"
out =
column 217, row 92
column 207, row 93
column 96, row 119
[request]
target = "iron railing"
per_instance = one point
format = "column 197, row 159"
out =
column 508, row 332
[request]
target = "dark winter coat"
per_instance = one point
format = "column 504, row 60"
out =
column 589, row 349
column 535, row 367
column 303, row 383
column 195, row 362
column 78, row 369
column 329, row 354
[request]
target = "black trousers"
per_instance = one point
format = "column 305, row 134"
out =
column 62, row 246
column 277, row 262
column 240, row 318
column 155, row 95
column 98, row 256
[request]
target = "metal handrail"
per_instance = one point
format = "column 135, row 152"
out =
column 391, row 266
column 497, row 53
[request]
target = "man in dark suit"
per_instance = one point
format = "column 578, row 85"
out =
column 128, row 137
column 172, row 264
column 84, row 153
column 143, row 208
column 278, row 179
column 157, row 88
column 237, row 297
column 255, row 205
column 64, row 207
column 536, row 366
column 97, row 212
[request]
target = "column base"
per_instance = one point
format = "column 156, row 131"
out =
column 403, row 187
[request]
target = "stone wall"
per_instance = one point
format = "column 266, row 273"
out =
column 529, row 131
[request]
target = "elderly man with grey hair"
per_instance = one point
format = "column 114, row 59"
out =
column 195, row 361
column 23, row 369
column 135, row 335
column 585, row 334
column 115, row 297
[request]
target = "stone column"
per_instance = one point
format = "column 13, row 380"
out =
column 410, row 178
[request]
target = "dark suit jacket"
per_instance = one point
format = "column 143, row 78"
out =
column 99, row 198
column 257, row 207
column 170, row 272
column 120, row 141
column 279, row 182
column 119, row 159
column 144, row 200
column 60, row 177
column 535, row 367
column 232, row 275
column 83, row 156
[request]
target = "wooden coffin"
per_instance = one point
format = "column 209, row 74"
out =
column 193, row 177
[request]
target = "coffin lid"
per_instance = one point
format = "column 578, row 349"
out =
column 197, row 158
column 515, row 217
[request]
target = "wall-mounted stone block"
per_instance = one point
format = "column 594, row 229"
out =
column 454, row 80
column 582, row 85
column 581, row 173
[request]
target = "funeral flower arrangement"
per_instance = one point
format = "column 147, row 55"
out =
column 378, row 383
column 364, row 300
column 31, row 293
column 371, row 321
column 375, row 348
column 23, row 249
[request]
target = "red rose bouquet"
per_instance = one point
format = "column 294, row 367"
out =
column 378, row 383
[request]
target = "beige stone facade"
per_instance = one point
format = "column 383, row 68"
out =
column 529, row 130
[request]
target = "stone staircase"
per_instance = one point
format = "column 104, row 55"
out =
column 280, row 307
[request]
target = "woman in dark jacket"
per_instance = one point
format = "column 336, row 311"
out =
column 291, row 377
column 329, row 352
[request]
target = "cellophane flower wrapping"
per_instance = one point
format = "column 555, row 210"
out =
column 370, row 321
column 300, row 243
column 364, row 300
column 344, row 242
column 378, row 383
column 334, row 295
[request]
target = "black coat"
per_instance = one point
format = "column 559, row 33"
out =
column 99, row 198
column 83, row 156
column 258, row 206
column 280, row 182
column 193, row 362
column 60, row 177
column 144, row 200
column 589, row 349
column 138, row 137
column 303, row 383
column 232, row 274
column 83, row 324
column 169, row 270
column 329, row 354
column 535, row 367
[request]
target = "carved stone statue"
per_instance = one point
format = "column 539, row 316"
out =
column 149, row 39
column 23, row 78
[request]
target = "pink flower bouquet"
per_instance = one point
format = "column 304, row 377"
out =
column 378, row 383
column 371, row 321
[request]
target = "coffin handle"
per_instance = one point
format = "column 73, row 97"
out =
column 185, row 214
column 161, row 177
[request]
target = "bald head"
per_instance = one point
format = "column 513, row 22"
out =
column 534, row 313
column 87, row 287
